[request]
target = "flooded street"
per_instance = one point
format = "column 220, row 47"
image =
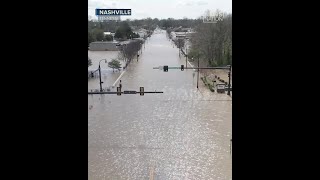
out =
column 183, row 133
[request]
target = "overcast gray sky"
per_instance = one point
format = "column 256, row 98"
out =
column 161, row 9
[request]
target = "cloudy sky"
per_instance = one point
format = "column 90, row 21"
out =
column 161, row 9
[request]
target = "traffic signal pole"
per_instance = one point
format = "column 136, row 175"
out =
column 166, row 69
column 198, row 74
column 229, row 75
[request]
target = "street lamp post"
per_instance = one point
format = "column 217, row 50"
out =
column 186, row 53
column 100, row 74
column 141, row 47
column 186, row 38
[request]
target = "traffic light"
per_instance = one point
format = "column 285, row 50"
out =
column 182, row 67
column 165, row 68
column 228, row 74
column 118, row 91
column 141, row 91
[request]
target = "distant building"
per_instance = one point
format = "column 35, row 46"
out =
column 110, row 45
column 141, row 39
column 104, row 46
column 142, row 32
column 109, row 33
column 181, row 35
column 124, row 42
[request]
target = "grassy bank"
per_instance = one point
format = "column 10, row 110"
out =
column 208, row 83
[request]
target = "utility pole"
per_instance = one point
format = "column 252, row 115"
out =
column 229, row 75
column 100, row 78
column 186, row 56
column 186, row 49
column 141, row 47
column 165, row 69
column 179, row 47
column 198, row 74
column 230, row 145
column 100, row 74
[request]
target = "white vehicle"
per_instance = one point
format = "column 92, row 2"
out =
column 220, row 88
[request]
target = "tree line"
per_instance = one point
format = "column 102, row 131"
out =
column 123, row 29
column 130, row 50
column 213, row 42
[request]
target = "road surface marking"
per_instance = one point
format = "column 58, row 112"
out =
column 118, row 79
column 190, row 64
column 152, row 173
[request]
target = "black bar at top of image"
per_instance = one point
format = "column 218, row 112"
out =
column 113, row 12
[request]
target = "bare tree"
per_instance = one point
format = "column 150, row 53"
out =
column 130, row 50
column 89, row 62
column 179, row 43
column 214, row 41
column 114, row 64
